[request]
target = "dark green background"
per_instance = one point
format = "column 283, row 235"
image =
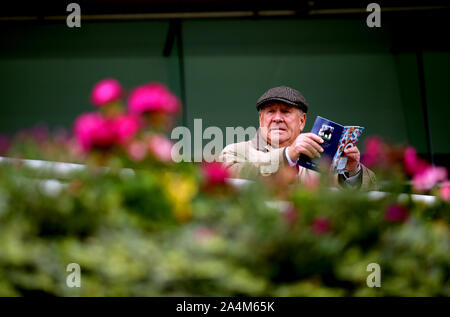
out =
column 348, row 72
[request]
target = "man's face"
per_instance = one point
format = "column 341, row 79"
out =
column 281, row 123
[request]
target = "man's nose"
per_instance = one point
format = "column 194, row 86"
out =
column 278, row 117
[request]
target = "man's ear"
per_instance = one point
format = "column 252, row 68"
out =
column 302, row 121
column 260, row 117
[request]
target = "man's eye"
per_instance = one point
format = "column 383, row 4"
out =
column 270, row 111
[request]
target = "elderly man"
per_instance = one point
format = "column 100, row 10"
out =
column 279, row 143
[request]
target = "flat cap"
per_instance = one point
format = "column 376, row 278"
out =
column 285, row 95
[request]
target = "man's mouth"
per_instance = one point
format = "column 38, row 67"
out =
column 277, row 129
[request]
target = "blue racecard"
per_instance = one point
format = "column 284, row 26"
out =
column 331, row 133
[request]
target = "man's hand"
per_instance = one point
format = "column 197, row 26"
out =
column 305, row 143
column 353, row 157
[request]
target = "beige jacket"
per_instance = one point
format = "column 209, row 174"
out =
column 256, row 157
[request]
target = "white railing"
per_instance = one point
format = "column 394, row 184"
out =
column 60, row 169
column 375, row 195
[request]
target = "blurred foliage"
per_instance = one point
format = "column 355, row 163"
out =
column 125, row 234
column 165, row 229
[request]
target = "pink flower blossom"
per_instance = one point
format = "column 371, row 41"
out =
column 445, row 191
column 161, row 147
column 4, row 144
column 373, row 151
column 320, row 225
column 74, row 147
column 137, row 150
column 106, row 91
column 312, row 182
column 126, row 127
column 291, row 215
column 92, row 130
column 61, row 135
column 39, row 132
column 152, row 97
column 202, row 234
column 215, row 173
column 172, row 105
column 413, row 164
column 396, row 213
column 429, row 177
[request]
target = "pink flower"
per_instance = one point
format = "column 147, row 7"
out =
column 396, row 213
column 445, row 191
column 75, row 148
column 202, row 234
column 215, row 173
column 137, row 150
column 92, row 130
column 312, row 182
column 106, row 91
column 413, row 164
column 61, row 135
column 39, row 132
column 320, row 225
column 373, row 151
column 161, row 147
column 152, row 97
column 126, row 127
column 429, row 177
column 291, row 215
column 172, row 105
column 4, row 144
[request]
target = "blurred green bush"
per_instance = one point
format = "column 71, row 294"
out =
column 124, row 233
column 180, row 230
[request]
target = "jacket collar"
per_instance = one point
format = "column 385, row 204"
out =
column 260, row 143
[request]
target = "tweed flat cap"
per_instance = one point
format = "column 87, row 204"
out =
column 285, row 95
